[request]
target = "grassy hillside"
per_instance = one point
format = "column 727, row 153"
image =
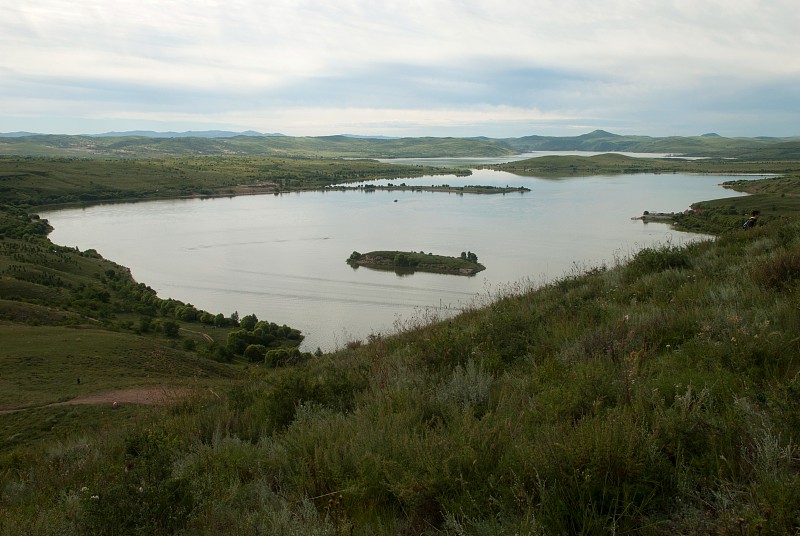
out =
column 571, row 166
column 73, row 324
column 353, row 147
column 657, row 396
column 706, row 145
column 777, row 197
column 269, row 146
column 39, row 181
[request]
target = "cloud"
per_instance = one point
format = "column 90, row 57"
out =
column 436, row 63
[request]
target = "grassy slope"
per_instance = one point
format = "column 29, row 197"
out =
column 39, row 181
column 344, row 146
column 66, row 314
column 570, row 166
column 660, row 396
column 40, row 365
column 280, row 146
column 715, row 146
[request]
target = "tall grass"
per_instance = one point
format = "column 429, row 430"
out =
column 658, row 396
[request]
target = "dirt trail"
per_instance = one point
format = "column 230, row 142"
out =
column 151, row 395
column 205, row 336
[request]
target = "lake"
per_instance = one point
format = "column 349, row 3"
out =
column 283, row 257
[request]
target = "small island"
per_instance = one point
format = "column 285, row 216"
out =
column 407, row 262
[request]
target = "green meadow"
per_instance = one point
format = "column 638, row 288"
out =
column 656, row 395
column 37, row 181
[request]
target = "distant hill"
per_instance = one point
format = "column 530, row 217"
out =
column 707, row 145
column 187, row 134
column 16, row 134
column 150, row 144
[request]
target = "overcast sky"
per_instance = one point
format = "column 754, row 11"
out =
column 498, row 68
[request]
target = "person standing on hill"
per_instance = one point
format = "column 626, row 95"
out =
column 752, row 220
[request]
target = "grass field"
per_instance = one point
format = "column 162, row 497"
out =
column 56, row 181
column 41, row 364
column 752, row 149
column 569, row 166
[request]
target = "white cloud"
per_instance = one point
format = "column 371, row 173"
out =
column 417, row 61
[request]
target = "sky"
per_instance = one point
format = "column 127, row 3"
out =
column 496, row 68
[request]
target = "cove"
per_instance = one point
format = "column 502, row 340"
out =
column 283, row 257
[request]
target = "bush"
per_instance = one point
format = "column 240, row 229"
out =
column 283, row 356
column 141, row 495
column 650, row 260
column 255, row 352
column 171, row 328
column 779, row 271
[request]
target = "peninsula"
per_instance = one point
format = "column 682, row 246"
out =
column 409, row 262
column 446, row 188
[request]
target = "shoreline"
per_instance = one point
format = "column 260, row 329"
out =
column 248, row 189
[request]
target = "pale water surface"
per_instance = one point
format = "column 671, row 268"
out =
column 283, row 257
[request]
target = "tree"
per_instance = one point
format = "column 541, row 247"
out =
column 171, row 328
column 145, row 323
column 401, row 259
column 248, row 322
column 237, row 341
column 255, row 352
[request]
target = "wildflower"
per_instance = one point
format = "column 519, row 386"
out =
column 95, row 497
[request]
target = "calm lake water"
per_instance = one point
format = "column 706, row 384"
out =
column 283, row 257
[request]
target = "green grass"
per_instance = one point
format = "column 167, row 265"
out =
column 570, row 166
column 39, row 181
column 412, row 261
column 349, row 147
column 40, row 364
column 776, row 198
column 275, row 146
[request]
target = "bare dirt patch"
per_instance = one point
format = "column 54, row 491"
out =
column 150, row 395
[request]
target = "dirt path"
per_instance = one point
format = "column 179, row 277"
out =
column 150, row 395
column 206, row 336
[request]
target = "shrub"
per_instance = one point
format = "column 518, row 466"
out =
column 171, row 328
column 649, row 260
column 779, row 271
column 140, row 495
column 255, row 352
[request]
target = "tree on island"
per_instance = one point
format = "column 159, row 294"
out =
column 469, row 256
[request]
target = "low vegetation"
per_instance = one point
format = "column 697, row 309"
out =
column 130, row 146
column 249, row 146
column 73, row 323
column 27, row 181
column 658, row 395
column 407, row 262
column 571, row 166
